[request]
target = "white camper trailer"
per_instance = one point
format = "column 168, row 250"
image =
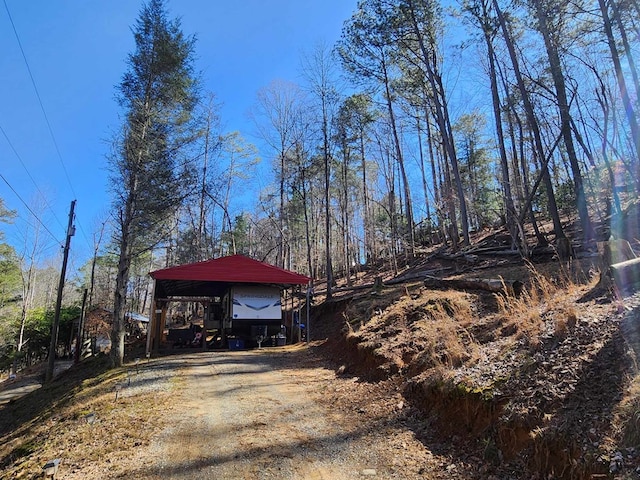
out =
column 255, row 303
column 252, row 312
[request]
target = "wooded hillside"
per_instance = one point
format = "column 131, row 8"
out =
column 424, row 123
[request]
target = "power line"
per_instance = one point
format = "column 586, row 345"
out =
column 44, row 113
column 28, row 208
column 15, row 152
column 84, row 235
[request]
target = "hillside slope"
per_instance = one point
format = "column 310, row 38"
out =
column 536, row 385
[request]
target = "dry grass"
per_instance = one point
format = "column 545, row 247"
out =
column 442, row 322
column 565, row 322
column 415, row 328
column 524, row 315
column 80, row 420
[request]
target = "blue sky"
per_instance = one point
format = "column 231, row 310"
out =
column 76, row 51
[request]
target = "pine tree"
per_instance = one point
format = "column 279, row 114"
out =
column 158, row 94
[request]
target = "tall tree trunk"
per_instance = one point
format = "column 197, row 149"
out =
column 627, row 47
column 203, row 191
column 400, row 159
column 437, row 188
column 280, row 254
column 510, row 211
column 327, row 200
column 622, row 84
column 27, row 291
column 565, row 118
column 521, row 167
column 306, row 223
column 442, row 116
column 125, row 247
column 345, row 214
column 368, row 247
column 119, row 303
column 423, row 173
column 533, row 125
column 602, row 100
column 453, row 232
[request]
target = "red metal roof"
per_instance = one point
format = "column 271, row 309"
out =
column 232, row 269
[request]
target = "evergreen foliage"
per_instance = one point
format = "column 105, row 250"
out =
column 158, row 94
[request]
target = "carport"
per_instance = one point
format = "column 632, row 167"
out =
column 211, row 282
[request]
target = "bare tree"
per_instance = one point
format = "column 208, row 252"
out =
column 320, row 71
column 276, row 114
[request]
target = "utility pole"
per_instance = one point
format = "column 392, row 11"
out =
column 56, row 318
column 79, row 337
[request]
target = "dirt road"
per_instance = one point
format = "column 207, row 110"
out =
column 13, row 389
column 272, row 414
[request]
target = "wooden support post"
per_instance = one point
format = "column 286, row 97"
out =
column 152, row 320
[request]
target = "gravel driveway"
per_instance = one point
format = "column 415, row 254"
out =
column 266, row 414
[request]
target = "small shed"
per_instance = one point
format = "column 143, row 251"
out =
column 242, row 296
